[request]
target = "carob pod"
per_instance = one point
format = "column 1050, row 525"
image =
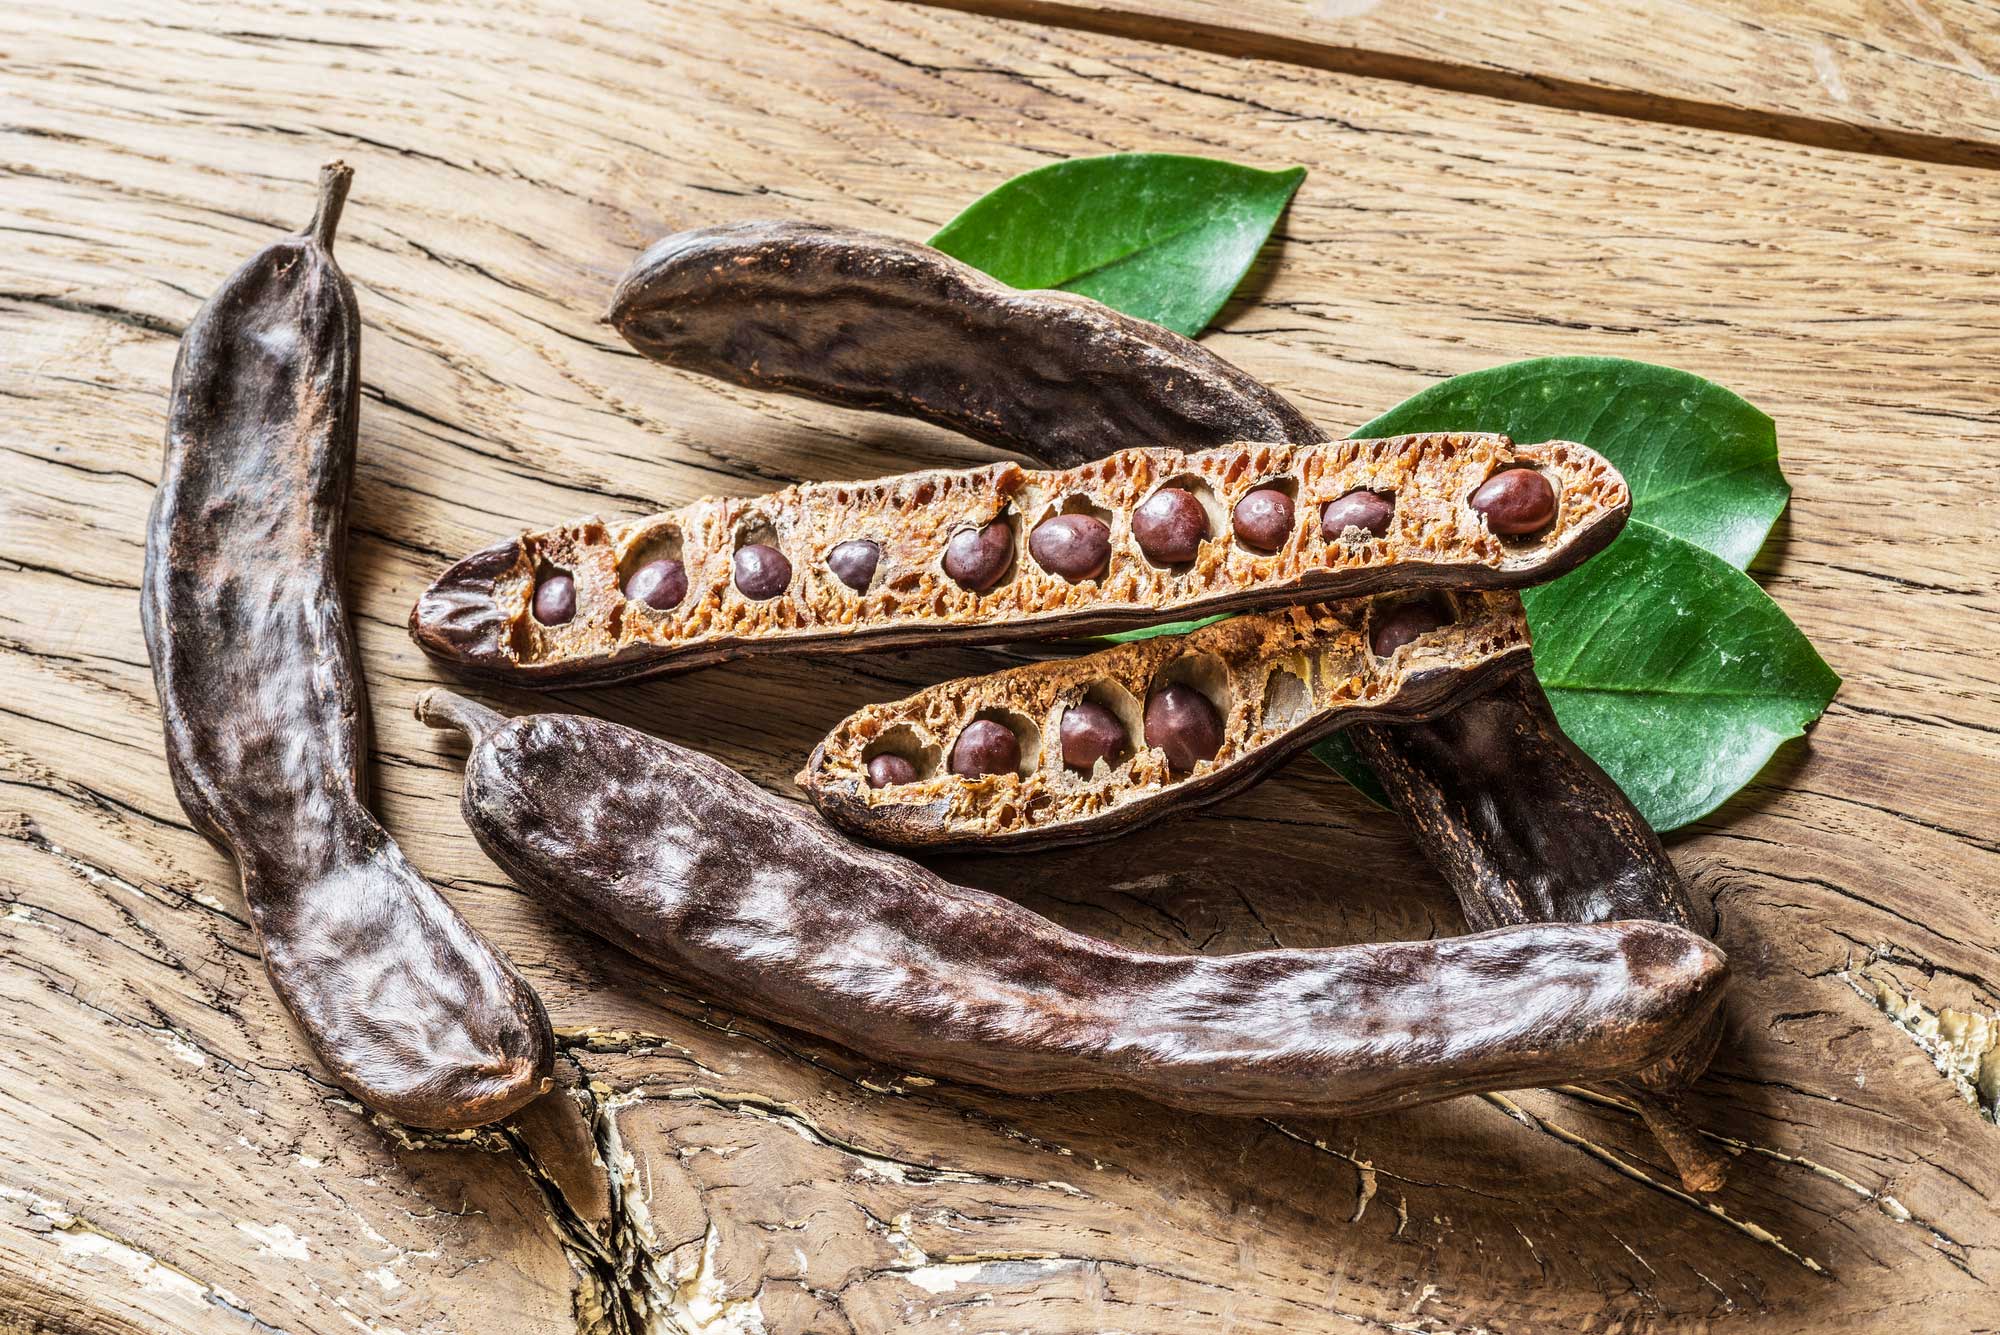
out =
column 1524, row 826
column 684, row 863
column 266, row 717
column 1113, row 740
column 869, row 321
column 1002, row 553
column 855, row 318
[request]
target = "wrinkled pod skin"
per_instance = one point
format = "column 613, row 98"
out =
column 772, row 306
column 682, row 862
column 265, row 716
column 868, row 321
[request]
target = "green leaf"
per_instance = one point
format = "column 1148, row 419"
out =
column 1170, row 628
column 1674, row 671
column 1159, row 236
column 1702, row 463
column 1337, row 753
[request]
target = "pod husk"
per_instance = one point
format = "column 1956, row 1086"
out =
column 682, row 862
column 478, row 616
column 1281, row 681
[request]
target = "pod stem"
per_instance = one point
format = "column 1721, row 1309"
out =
column 334, row 178
column 1701, row 1167
column 442, row 709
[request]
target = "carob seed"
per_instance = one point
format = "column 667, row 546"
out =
column 555, row 599
column 1516, row 501
column 1264, row 518
column 1366, row 510
column 1090, row 733
column 659, row 584
column 1181, row 722
column 1170, row 526
column 888, row 769
column 761, row 571
column 853, row 562
column 1397, row 626
column 985, row 747
column 1077, row 547
column 978, row 557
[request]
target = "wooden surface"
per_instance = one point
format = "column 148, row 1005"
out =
column 173, row 1161
column 1916, row 79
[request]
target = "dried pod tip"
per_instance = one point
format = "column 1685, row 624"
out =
column 441, row 709
column 334, row 178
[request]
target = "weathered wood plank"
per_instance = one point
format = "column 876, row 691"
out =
column 508, row 165
column 1914, row 80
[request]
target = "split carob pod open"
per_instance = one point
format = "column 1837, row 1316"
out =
column 863, row 320
column 1003, row 553
column 1074, row 749
column 684, row 863
column 266, row 716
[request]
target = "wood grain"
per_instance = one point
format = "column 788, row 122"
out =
column 173, row 1163
column 1918, row 79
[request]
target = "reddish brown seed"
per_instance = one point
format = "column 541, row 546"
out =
column 985, row 747
column 555, row 599
column 887, row 770
column 1077, row 547
column 659, row 584
column 1263, row 519
column 1170, row 526
column 761, row 571
column 978, row 557
column 853, row 562
column 1090, row 733
column 1183, row 723
column 1368, row 511
column 1516, row 501
column 1405, row 622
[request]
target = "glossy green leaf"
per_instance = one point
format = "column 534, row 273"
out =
column 1702, row 463
column 1159, row 236
column 1338, row 754
column 1169, row 628
column 1674, row 671
column 1703, row 467
column 1670, row 667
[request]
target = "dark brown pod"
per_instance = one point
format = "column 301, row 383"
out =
column 682, row 862
column 1279, row 681
column 869, row 321
column 1097, row 381
column 265, row 716
column 1485, row 784
column 949, row 570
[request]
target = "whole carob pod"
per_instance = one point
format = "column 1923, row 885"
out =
column 265, row 715
column 682, row 862
column 1082, row 748
column 870, row 321
column 855, row 318
column 1004, row 553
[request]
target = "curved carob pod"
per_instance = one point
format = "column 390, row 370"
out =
column 869, row 321
column 266, row 716
column 1520, row 820
column 1004, row 553
column 1056, row 377
column 1075, row 749
column 682, row 862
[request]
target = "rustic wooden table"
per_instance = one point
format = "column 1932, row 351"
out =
column 1803, row 205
